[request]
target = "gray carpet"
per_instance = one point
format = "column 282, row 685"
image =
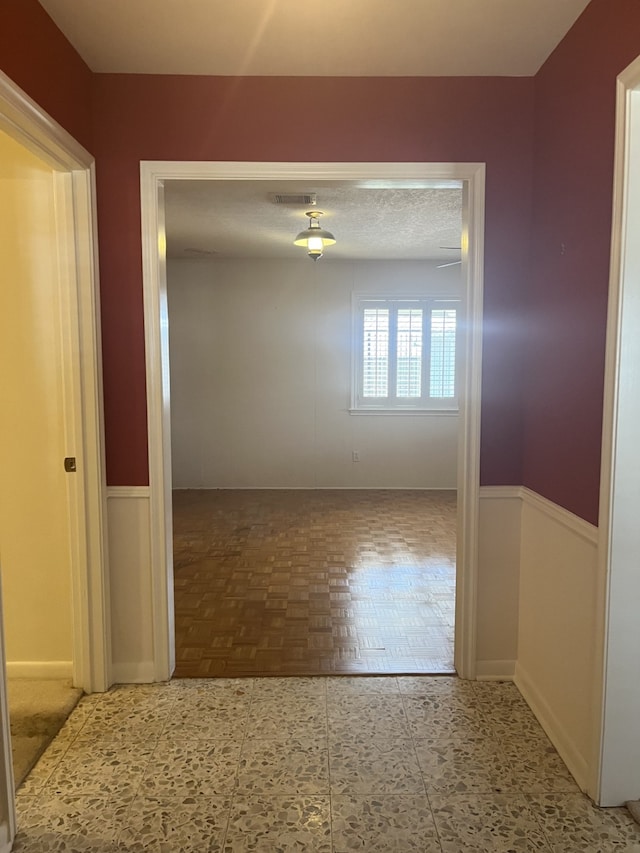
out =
column 37, row 710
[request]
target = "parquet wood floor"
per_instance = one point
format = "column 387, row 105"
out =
column 314, row 582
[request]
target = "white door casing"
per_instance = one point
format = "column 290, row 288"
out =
column 153, row 175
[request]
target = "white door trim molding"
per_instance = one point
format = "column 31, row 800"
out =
column 23, row 120
column 469, row 422
column 616, row 757
column 153, row 175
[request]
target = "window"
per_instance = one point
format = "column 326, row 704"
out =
column 405, row 353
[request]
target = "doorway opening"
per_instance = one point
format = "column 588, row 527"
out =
column 314, row 523
column 154, row 176
column 34, row 514
column 51, row 529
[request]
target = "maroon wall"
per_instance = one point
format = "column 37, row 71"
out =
column 195, row 118
column 269, row 119
column 36, row 56
column 544, row 322
column 573, row 179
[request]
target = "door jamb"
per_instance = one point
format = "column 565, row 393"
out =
column 153, row 175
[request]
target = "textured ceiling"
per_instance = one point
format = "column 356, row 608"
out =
column 238, row 219
column 331, row 37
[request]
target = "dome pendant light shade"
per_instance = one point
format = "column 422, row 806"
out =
column 314, row 237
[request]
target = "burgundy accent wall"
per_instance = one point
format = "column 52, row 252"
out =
column 36, row 56
column 351, row 120
column 567, row 303
column 548, row 144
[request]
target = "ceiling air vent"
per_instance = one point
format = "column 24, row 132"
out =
column 303, row 199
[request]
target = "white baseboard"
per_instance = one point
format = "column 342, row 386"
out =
column 559, row 737
column 133, row 673
column 39, row 669
column 495, row 670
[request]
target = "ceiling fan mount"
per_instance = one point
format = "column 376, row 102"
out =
column 450, row 263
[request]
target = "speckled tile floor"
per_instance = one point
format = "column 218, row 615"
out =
column 335, row 764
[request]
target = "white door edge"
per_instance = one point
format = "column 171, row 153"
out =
column 615, row 755
column 82, row 390
column 153, row 175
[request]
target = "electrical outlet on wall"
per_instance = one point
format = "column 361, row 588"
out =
column 355, row 456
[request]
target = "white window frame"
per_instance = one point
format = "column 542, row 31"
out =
column 394, row 405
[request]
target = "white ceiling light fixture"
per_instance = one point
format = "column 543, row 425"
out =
column 315, row 238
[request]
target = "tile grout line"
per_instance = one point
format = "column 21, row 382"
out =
column 422, row 774
column 236, row 783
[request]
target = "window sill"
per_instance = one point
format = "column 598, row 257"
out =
column 437, row 412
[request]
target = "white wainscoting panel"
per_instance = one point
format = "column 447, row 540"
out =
column 5, row 844
column 131, row 588
column 536, row 606
column 556, row 635
column 498, row 581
